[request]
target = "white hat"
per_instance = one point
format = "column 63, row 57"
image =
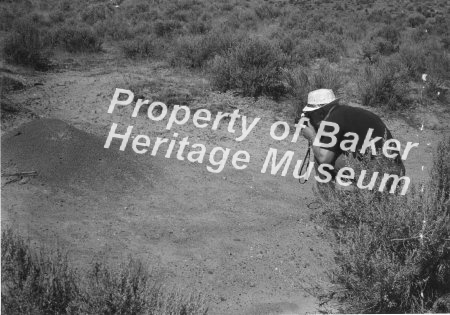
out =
column 319, row 98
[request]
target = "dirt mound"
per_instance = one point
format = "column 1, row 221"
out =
column 64, row 156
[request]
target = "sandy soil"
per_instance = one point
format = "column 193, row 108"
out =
column 244, row 238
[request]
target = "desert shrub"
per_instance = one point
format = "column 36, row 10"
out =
column 34, row 283
column 267, row 11
column 7, row 17
column 435, row 89
column 441, row 25
column 369, row 51
column 122, row 291
column 115, row 28
column 329, row 46
column 438, row 64
column 137, row 8
column 293, row 45
column 413, row 57
column 446, row 42
column 199, row 27
column 245, row 19
column 164, row 28
column 297, row 87
column 129, row 289
column 43, row 282
column 385, row 47
column 385, row 42
column 416, row 20
column 390, row 33
column 440, row 172
column 195, row 51
column 24, row 46
column 419, row 35
column 57, row 16
column 142, row 47
column 78, row 38
column 286, row 42
column 394, row 255
column 383, row 84
column 293, row 20
column 191, row 51
column 141, row 28
column 425, row 57
column 356, row 32
column 380, row 16
column 96, row 12
column 321, row 49
column 253, row 67
column 320, row 22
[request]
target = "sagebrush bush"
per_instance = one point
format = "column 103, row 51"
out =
column 33, row 283
column 194, row 51
column 7, row 17
column 25, row 46
column 384, row 84
column 390, row 33
column 142, row 47
column 384, row 41
column 97, row 12
column 191, row 51
column 416, row 20
column 116, row 28
column 253, row 67
column 438, row 64
column 267, row 11
column 123, row 291
column 394, row 255
column 164, row 28
column 440, row 172
column 413, row 57
column 425, row 57
column 327, row 47
column 79, row 38
column 42, row 282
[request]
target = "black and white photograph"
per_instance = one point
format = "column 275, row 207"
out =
column 225, row 157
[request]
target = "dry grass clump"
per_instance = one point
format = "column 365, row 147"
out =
column 42, row 282
column 394, row 251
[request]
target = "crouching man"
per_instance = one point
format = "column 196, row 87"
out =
column 323, row 106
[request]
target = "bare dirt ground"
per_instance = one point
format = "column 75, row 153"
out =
column 245, row 238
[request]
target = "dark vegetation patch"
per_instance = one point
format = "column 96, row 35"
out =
column 394, row 252
column 39, row 281
column 213, row 35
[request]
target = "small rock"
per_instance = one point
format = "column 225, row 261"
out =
column 24, row 180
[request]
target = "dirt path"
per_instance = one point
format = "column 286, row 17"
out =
column 244, row 237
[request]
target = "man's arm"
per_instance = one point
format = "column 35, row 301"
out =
column 322, row 155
